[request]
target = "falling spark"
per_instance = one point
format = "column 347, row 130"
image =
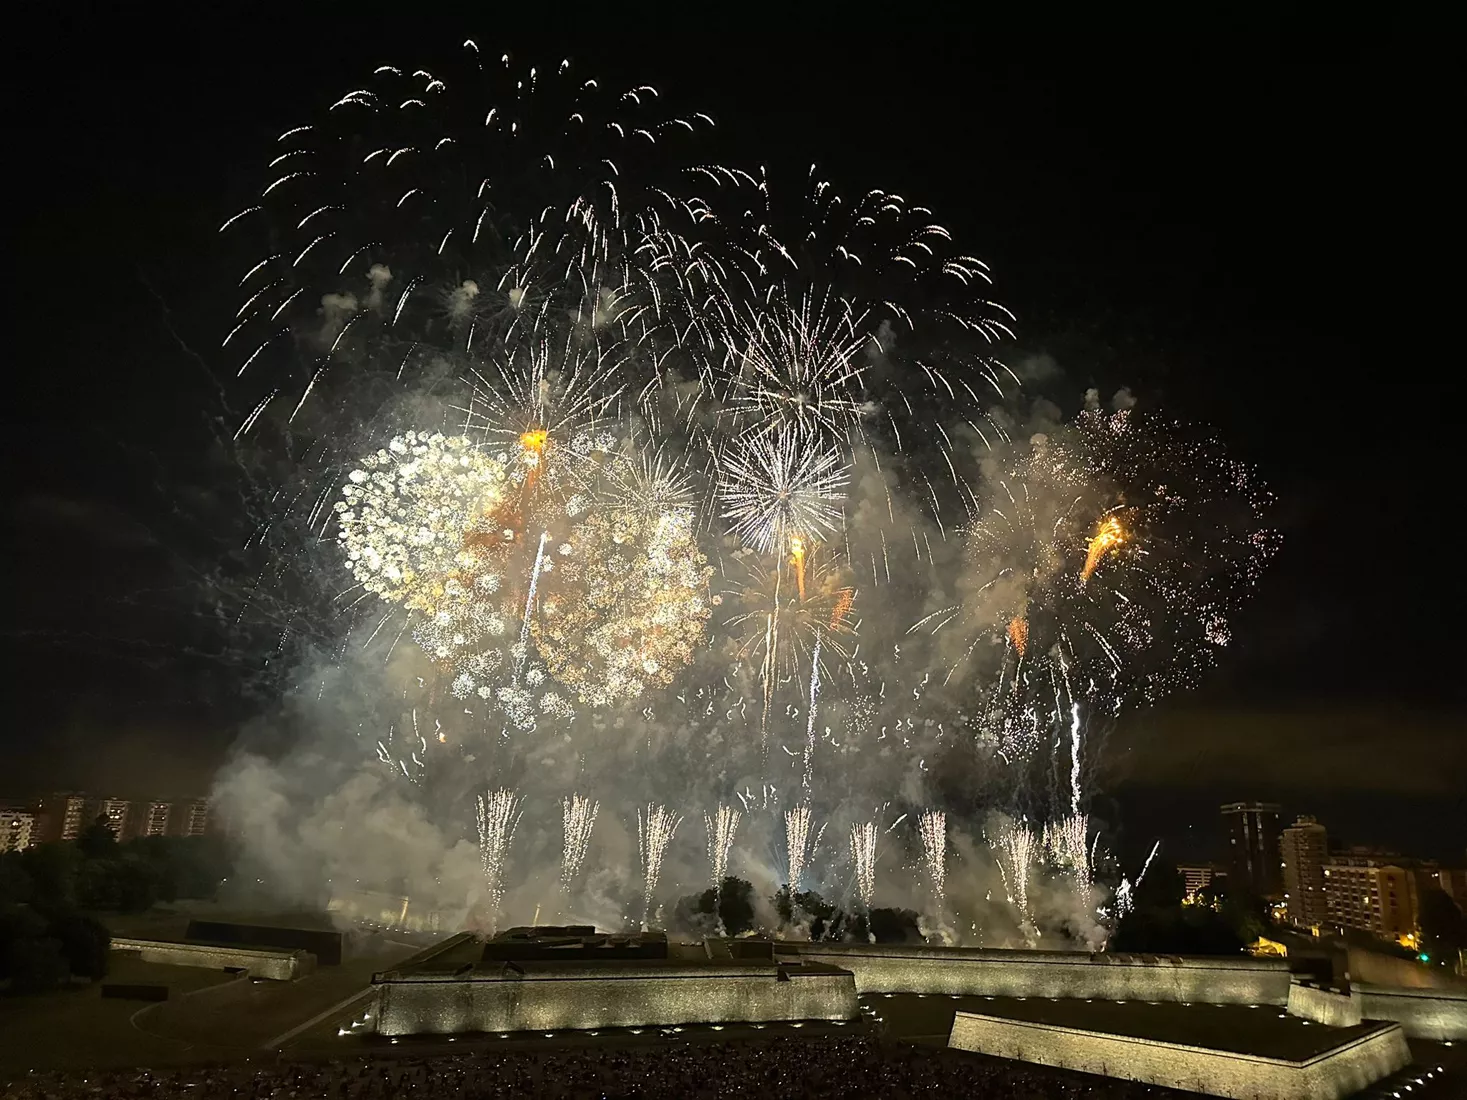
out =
column 932, row 824
column 579, row 815
column 655, row 829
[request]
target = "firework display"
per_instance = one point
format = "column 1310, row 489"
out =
column 617, row 469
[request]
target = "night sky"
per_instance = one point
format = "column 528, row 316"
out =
column 1237, row 228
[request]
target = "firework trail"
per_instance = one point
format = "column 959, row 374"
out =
column 655, row 829
column 1107, row 537
column 579, row 818
column 1126, row 891
column 721, row 827
column 810, row 722
column 799, row 845
column 1075, row 760
column 863, row 856
column 932, row 825
column 499, row 813
column 524, row 646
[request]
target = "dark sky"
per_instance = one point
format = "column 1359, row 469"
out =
column 1237, row 225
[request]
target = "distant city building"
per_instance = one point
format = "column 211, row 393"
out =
column 17, row 830
column 62, row 816
column 116, row 812
column 1370, row 892
column 1451, row 881
column 1197, row 877
column 1305, row 849
column 192, row 818
column 155, row 818
column 1253, row 846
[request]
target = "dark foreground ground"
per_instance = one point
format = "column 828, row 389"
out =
column 786, row 1068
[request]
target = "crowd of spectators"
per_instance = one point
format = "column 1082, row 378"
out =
column 787, row 1068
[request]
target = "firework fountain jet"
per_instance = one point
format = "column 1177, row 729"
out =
column 655, row 829
column 1014, row 848
column 579, row 818
column 863, row 858
column 499, row 813
column 721, row 827
column 932, row 826
column 799, row 845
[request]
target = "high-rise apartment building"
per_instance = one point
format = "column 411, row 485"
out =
column 1253, row 846
column 1451, row 881
column 1304, row 848
column 17, row 830
column 1373, row 893
column 63, row 816
column 154, row 818
column 192, row 817
column 116, row 812
column 1196, row 877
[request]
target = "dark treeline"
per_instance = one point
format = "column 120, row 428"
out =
column 50, row 895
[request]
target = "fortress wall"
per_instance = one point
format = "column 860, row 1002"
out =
column 1436, row 1014
column 621, row 998
column 1323, row 1006
column 1337, row 1073
column 283, row 966
column 970, row 971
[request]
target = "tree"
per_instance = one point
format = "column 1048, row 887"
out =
column 15, row 883
column 1443, row 928
column 98, row 840
column 52, row 869
column 894, row 926
column 85, row 944
column 35, row 963
column 731, row 907
column 1161, row 886
column 825, row 921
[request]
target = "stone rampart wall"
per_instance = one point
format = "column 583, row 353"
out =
column 623, row 998
column 1338, row 1073
column 282, row 966
column 969, row 971
column 1423, row 1014
column 1323, row 1006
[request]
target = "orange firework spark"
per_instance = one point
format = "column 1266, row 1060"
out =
column 1107, row 536
column 797, row 559
column 842, row 607
column 1019, row 633
column 534, row 442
